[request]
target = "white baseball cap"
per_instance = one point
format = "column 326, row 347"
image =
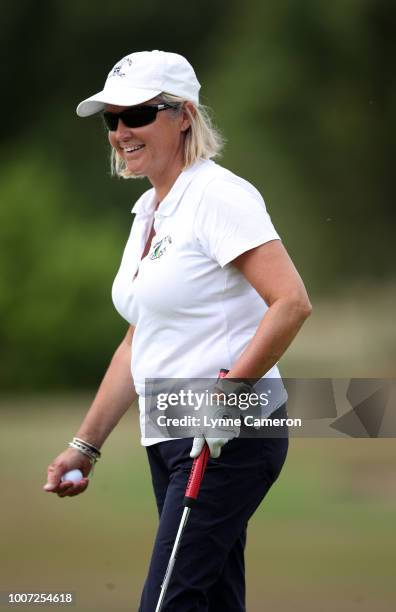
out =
column 140, row 76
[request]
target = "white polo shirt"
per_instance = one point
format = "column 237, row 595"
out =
column 193, row 311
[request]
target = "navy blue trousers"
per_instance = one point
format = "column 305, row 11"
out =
column 209, row 574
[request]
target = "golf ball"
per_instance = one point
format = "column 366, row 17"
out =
column 73, row 475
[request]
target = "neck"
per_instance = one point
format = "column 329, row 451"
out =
column 164, row 181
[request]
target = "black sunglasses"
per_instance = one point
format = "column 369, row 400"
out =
column 135, row 116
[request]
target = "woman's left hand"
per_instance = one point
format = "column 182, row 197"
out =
column 219, row 423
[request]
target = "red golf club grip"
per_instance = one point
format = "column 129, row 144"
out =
column 198, row 468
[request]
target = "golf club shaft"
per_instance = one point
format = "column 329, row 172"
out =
column 192, row 490
column 172, row 559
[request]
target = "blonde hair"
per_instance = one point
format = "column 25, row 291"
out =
column 202, row 140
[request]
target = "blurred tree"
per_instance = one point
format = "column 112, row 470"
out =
column 308, row 100
column 59, row 325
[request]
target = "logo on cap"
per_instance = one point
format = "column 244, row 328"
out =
column 124, row 64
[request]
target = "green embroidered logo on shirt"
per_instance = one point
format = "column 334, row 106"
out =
column 160, row 247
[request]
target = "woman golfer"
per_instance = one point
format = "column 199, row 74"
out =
column 205, row 283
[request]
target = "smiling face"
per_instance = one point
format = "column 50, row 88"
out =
column 155, row 150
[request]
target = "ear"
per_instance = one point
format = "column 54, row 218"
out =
column 186, row 121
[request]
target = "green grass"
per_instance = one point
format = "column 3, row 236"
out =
column 324, row 539
column 349, row 335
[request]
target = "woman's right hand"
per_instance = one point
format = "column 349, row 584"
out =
column 70, row 459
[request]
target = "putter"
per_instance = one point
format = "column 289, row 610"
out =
column 190, row 497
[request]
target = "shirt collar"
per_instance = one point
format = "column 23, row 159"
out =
column 147, row 203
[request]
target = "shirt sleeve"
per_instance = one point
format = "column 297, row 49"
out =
column 231, row 220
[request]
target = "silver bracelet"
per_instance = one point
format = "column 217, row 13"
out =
column 86, row 449
column 91, row 446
